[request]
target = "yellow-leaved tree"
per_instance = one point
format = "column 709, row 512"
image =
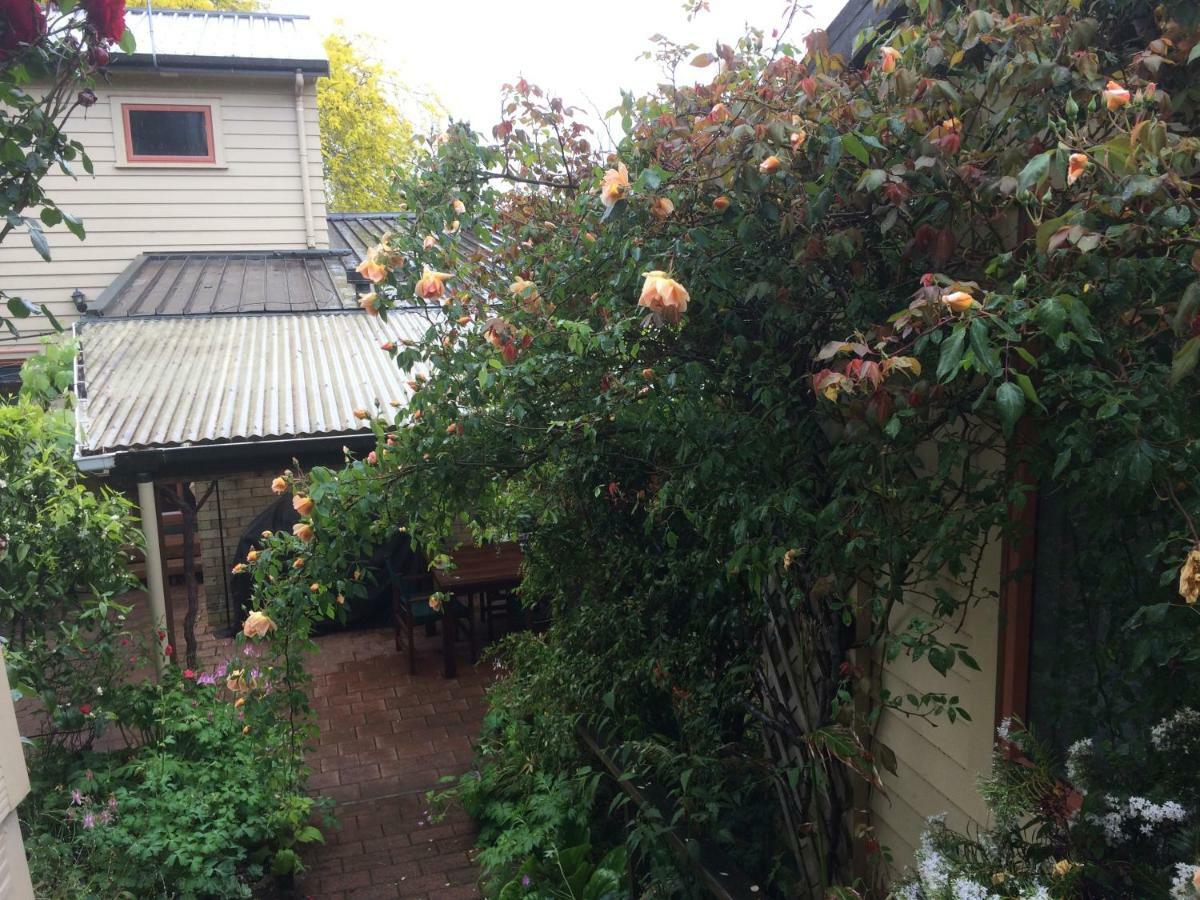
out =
column 364, row 138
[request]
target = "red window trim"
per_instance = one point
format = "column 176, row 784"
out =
column 130, row 156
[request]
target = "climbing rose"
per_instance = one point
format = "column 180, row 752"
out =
column 279, row 484
column 721, row 203
column 615, row 185
column 430, row 241
column 798, row 138
column 770, row 165
column 460, row 207
column 107, row 17
column 664, row 295
column 371, row 270
column 1077, row 163
column 662, row 207
column 23, row 22
column 889, row 57
column 370, row 302
column 430, row 285
column 304, row 531
column 303, row 505
column 1115, row 96
column 959, row 301
column 1189, row 577
column 257, row 625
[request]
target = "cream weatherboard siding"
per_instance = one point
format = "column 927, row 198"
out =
column 938, row 766
column 253, row 201
column 14, row 785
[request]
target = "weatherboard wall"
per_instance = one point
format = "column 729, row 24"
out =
column 253, row 201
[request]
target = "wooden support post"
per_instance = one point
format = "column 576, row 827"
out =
column 155, row 576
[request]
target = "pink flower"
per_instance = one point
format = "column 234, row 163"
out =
column 85, row 708
column 372, row 458
column 89, row 820
column 189, row 674
column 76, row 797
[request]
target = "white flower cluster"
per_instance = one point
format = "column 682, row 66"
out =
column 1075, row 757
column 1140, row 813
column 1004, row 729
column 1183, row 885
column 1178, row 733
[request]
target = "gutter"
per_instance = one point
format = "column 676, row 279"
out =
column 203, row 459
column 310, row 234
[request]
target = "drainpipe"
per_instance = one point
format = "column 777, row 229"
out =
column 310, row 235
column 148, row 504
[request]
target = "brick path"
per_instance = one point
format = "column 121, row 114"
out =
column 387, row 738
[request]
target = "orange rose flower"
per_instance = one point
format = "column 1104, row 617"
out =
column 279, row 485
column 664, row 295
column 1077, row 164
column 252, row 555
column 721, row 203
column 459, row 207
column 1115, row 96
column 959, row 301
column 798, row 138
column 431, row 285
column 304, row 531
column 372, row 271
column 303, row 505
column 661, row 208
column 370, row 302
column 257, row 625
column 430, row 241
column 615, row 185
column 888, row 57
column 770, row 165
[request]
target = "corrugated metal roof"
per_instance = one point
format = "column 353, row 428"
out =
column 188, row 39
column 160, row 383
column 173, row 284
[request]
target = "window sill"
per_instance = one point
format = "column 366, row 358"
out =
column 170, row 165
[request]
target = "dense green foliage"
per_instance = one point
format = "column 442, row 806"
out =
column 863, row 284
column 190, row 786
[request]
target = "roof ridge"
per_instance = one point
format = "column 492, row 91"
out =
column 215, row 13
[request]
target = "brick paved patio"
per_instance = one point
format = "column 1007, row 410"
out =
column 387, row 738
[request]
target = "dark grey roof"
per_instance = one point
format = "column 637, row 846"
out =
column 353, row 234
column 223, row 41
column 198, row 283
column 853, row 18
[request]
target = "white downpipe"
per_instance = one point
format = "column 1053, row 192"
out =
column 310, row 234
column 147, row 503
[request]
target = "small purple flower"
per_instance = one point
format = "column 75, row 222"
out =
column 525, row 881
column 76, row 797
column 112, row 803
column 89, row 820
column 222, row 670
column 206, row 678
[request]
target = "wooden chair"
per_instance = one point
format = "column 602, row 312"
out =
column 411, row 608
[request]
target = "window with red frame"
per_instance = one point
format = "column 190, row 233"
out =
column 168, row 133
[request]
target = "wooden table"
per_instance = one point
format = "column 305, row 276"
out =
column 477, row 570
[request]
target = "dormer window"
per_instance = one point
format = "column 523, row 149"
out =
column 168, row 133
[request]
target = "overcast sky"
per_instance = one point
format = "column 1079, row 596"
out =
column 585, row 52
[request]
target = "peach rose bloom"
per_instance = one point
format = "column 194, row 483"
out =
column 370, row 302
column 770, row 165
column 959, row 301
column 615, row 185
column 303, row 505
column 304, row 531
column 431, row 284
column 452, row 228
column 661, row 208
column 1115, row 96
column 1189, row 577
column 257, row 625
column 889, row 56
column 1077, row 164
column 372, row 271
column 430, row 241
column 252, row 556
column 236, row 682
column 798, row 138
column 721, row 203
column 361, row 413
column 664, row 295
column 460, row 207
column 279, row 484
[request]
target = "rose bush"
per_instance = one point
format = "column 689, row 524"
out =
column 882, row 303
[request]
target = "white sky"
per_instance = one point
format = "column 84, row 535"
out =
column 585, row 52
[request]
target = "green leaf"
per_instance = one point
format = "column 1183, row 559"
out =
column 1184, row 361
column 852, row 145
column 1189, row 307
column 127, row 43
column 984, row 355
column 951, row 354
column 1035, row 170
column 1028, row 389
column 1010, row 403
column 19, row 307
column 38, row 239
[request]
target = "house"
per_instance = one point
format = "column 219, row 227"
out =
column 219, row 333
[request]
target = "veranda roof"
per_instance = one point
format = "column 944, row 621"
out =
column 146, row 384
